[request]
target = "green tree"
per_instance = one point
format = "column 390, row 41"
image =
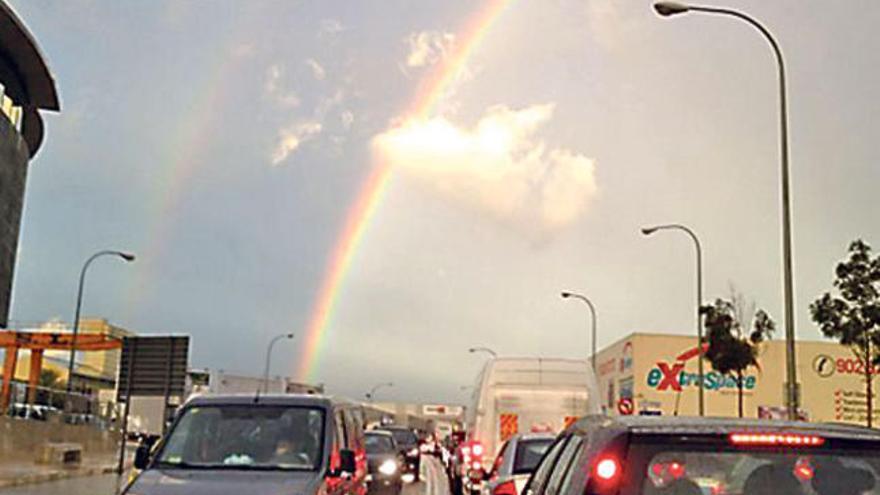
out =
column 50, row 378
column 729, row 351
column 853, row 316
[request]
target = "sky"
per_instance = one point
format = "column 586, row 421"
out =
column 225, row 143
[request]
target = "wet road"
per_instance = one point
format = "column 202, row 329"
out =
column 433, row 483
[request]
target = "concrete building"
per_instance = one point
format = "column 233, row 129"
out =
column 26, row 86
column 657, row 374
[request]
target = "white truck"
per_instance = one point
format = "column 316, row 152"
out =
column 523, row 395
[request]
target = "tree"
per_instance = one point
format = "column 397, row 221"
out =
column 50, row 378
column 729, row 351
column 853, row 316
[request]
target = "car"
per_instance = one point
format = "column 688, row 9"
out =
column 257, row 444
column 408, row 443
column 643, row 455
column 516, row 461
column 384, row 462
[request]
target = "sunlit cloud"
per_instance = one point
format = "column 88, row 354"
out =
column 500, row 166
column 428, row 47
column 317, row 69
column 274, row 90
column 291, row 138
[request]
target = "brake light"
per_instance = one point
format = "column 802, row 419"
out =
column 477, row 449
column 676, row 470
column 776, row 439
column 607, row 469
column 506, row 488
column 476, row 466
column 803, row 469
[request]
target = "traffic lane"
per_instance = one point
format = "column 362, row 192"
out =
column 105, row 484
column 433, row 481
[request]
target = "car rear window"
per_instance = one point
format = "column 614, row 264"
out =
column 678, row 468
column 404, row 437
column 378, row 444
column 529, row 453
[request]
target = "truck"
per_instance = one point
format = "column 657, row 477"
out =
column 521, row 395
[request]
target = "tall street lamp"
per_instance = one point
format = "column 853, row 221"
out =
column 128, row 258
column 699, row 250
column 667, row 9
column 483, row 349
column 566, row 295
column 269, row 358
column 372, row 392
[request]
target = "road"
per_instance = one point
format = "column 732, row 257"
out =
column 433, row 483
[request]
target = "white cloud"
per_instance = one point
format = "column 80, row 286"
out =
column 347, row 118
column 428, row 47
column 291, row 138
column 317, row 70
column 273, row 88
column 499, row 166
column 331, row 27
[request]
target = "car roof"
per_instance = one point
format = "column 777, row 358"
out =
column 661, row 425
column 393, row 427
column 532, row 436
column 383, row 433
column 268, row 399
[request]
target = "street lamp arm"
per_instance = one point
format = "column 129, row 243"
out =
column 749, row 19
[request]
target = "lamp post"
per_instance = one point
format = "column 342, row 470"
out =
column 701, row 407
column 128, row 258
column 473, row 350
column 581, row 297
column 373, row 390
column 269, row 358
column 667, row 9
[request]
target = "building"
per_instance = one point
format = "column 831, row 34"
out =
column 26, row 86
column 204, row 381
column 93, row 370
column 656, row 374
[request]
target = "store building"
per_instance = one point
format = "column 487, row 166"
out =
column 655, row 374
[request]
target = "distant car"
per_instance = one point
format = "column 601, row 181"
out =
column 266, row 445
column 384, row 462
column 642, row 455
column 516, row 461
column 408, row 443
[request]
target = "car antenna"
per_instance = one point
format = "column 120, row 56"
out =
column 257, row 395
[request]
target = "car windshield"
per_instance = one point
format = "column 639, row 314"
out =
column 699, row 472
column 246, row 437
column 379, row 444
column 529, row 453
column 405, row 438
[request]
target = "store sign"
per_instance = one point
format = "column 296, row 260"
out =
column 673, row 377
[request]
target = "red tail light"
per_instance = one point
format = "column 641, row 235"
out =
column 607, row 470
column 506, row 488
column 477, row 449
column 803, row 469
column 776, row 439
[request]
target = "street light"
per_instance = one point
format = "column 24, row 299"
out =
column 372, row 391
column 483, row 349
column 128, row 258
column 566, row 295
column 269, row 358
column 701, row 405
column 671, row 8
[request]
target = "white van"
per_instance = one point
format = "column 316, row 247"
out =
column 528, row 395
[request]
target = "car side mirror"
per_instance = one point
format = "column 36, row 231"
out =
column 142, row 457
column 347, row 462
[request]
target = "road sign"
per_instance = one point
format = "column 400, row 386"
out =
column 509, row 426
column 152, row 366
column 625, row 406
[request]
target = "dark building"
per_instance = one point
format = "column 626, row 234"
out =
column 26, row 86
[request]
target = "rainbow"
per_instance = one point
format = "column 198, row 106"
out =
column 429, row 92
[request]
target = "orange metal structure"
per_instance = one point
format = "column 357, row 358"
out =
column 37, row 342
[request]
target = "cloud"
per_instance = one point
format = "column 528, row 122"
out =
column 331, row 27
column 428, row 47
column 291, row 138
column 499, row 165
column 273, row 89
column 347, row 118
column 317, row 70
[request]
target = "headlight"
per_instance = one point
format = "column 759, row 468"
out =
column 414, row 452
column 388, row 467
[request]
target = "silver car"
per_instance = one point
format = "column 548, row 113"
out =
column 516, row 460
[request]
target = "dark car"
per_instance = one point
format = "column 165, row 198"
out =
column 515, row 462
column 695, row 456
column 408, row 444
column 384, row 463
column 234, row 444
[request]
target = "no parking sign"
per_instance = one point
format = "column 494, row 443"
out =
column 625, row 407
